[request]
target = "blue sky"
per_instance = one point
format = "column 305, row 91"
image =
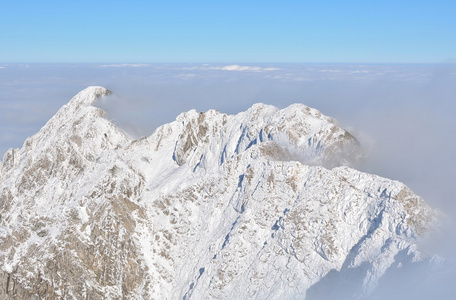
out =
column 227, row 31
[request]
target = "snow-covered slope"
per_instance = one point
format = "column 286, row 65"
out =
column 258, row 205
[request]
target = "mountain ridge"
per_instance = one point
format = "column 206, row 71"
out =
column 247, row 192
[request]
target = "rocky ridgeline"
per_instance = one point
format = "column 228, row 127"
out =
column 258, row 205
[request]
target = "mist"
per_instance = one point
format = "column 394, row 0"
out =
column 404, row 115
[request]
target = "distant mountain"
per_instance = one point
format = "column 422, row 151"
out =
column 258, row 205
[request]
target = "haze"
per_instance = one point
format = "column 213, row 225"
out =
column 403, row 114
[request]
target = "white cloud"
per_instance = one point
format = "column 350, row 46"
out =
column 243, row 68
column 230, row 68
column 238, row 68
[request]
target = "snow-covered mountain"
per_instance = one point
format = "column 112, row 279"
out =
column 258, row 205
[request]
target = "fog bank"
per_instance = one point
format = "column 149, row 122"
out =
column 404, row 115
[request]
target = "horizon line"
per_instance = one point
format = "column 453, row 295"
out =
column 223, row 63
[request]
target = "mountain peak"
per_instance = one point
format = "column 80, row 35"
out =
column 79, row 106
column 87, row 212
column 89, row 95
column 78, row 129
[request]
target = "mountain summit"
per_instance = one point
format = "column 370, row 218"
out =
column 258, row 205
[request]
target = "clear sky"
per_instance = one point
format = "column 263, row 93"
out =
column 397, row 31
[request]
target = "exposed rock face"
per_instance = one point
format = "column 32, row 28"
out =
column 209, row 206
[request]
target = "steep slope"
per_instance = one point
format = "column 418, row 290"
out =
column 208, row 206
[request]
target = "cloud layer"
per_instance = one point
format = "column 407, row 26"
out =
column 404, row 113
column 243, row 68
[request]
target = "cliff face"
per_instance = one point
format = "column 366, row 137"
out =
column 260, row 205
